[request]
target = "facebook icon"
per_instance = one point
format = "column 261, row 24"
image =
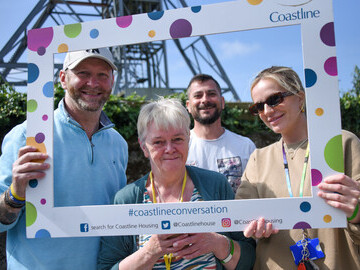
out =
column 84, row 227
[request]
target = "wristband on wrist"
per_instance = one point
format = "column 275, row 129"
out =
column 356, row 210
column 9, row 200
column 231, row 251
column 12, row 191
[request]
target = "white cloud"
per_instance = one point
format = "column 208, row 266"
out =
column 230, row 49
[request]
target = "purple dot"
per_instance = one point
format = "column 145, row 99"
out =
column 327, row 34
column 40, row 137
column 41, row 51
column 330, row 66
column 302, row 225
column 43, row 201
column 124, row 21
column 45, row 117
column 316, row 177
column 180, row 28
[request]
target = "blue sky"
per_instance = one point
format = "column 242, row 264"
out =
column 242, row 54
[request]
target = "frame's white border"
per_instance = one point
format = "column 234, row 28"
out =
column 322, row 106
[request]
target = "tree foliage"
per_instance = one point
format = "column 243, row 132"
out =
column 350, row 106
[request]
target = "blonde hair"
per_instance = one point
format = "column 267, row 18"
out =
column 286, row 77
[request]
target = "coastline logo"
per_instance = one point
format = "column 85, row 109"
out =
column 84, row 227
column 165, row 225
column 299, row 14
column 226, row 222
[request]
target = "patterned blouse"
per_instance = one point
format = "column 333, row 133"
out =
column 205, row 261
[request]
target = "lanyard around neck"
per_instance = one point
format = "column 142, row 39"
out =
column 153, row 188
column 287, row 175
column 167, row 257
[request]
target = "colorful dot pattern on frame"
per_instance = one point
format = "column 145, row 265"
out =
column 43, row 40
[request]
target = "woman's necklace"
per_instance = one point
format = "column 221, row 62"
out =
column 287, row 174
column 167, row 257
column 292, row 152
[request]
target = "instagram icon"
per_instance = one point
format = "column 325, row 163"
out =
column 226, row 222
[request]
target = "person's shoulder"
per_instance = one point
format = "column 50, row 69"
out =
column 238, row 136
column 267, row 149
column 205, row 173
column 129, row 193
column 115, row 135
column 17, row 132
column 347, row 135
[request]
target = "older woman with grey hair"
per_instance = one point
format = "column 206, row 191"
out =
column 163, row 131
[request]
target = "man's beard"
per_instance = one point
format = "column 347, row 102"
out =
column 86, row 106
column 207, row 120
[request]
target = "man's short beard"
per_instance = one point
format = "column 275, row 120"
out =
column 207, row 120
column 83, row 105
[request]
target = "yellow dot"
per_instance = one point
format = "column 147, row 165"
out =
column 63, row 48
column 319, row 111
column 152, row 33
column 327, row 218
column 40, row 147
column 254, row 2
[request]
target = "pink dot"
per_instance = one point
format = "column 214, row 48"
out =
column 38, row 38
column 330, row 66
column 45, row 117
column 43, row 201
column 316, row 177
column 124, row 21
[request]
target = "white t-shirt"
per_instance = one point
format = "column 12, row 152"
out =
column 227, row 154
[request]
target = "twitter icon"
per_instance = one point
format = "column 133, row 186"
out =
column 165, row 225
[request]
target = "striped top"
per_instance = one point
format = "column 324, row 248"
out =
column 205, row 261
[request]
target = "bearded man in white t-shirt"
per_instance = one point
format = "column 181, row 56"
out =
column 212, row 146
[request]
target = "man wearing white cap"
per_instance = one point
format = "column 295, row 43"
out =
column 90, row 160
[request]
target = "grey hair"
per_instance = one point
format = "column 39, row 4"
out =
column 286, row 77
column 164, row 113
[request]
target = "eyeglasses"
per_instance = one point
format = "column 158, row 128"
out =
column 271, row 101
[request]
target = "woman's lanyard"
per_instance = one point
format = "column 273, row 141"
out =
column 287, row 175
column 167, row 257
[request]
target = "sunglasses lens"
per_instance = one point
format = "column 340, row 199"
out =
column 274, row 100
column 256, row 108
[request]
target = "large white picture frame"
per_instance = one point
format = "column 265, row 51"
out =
column 315, row 18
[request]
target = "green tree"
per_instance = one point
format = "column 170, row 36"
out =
column 350, row 106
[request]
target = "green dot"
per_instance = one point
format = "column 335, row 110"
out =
column 31, row 214
column 333, row 152
column 72, row 30
column 32, row 105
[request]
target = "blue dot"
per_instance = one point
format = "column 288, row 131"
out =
column 33, row 72
column 94, row 33
column 33, row 183
column 42, row 234
column 310, row 77
column 305, row 206
column 155, row 15
column 48, row 89
column 196, row 9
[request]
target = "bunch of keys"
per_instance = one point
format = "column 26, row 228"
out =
column 306, row 263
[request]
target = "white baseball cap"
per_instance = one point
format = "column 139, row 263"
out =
column 72, row 59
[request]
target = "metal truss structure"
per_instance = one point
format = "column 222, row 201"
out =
column 140, row 65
